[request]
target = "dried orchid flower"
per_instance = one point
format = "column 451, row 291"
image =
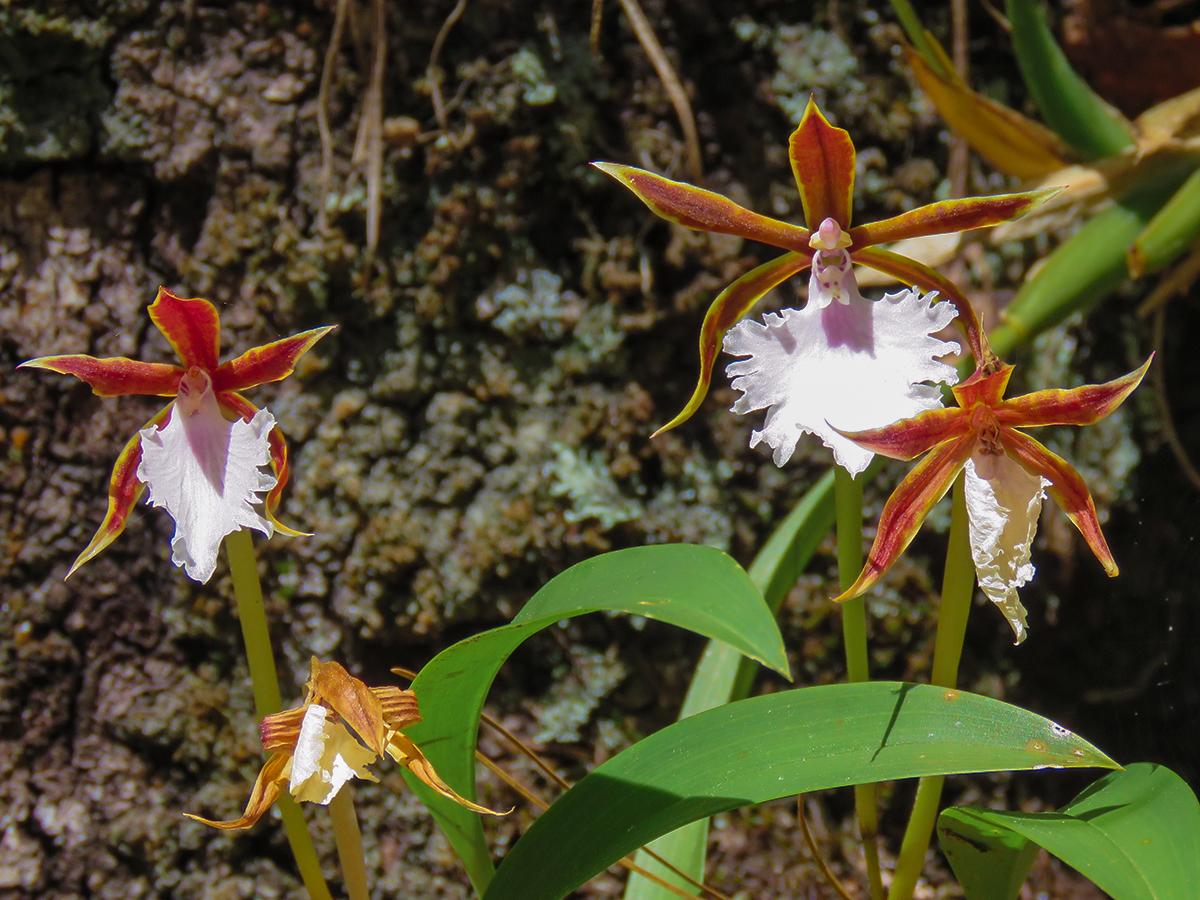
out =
column 340, row 729
column 203, row 455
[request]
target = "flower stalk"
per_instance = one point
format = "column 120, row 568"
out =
column 958, row 587
column 264, row 681
column 348, row 839
column 848, row 505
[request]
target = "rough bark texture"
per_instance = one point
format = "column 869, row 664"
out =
column 477, row 423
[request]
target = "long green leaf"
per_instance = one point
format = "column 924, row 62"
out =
column 1088, row 124
column 768, row 747
column 1089, row 265
column 723, row 675
column 693, row 587
column 1135, row 833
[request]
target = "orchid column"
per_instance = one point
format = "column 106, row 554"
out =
column 218, row 465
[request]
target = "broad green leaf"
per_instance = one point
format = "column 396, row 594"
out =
column 990, row 862
column 1087, row 266
column 693, row 587
column 723, row 674
column 1173, row 230
column 1135, row 833
column 768, row 747
column 1088, row 124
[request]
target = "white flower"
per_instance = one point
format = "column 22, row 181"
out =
column 856, row 362
column 1003, row 505
column 207, row 472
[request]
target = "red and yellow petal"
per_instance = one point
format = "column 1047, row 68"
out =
column 823, row 162
column 242, row 408
column 264, row 793
column 1075, row 406
column 731, row 305
column 945, row 216
column 270, row 362
column 909, row 438
column 907, row 508
column 124, row 490
column 192, row 326
column 694, row 207
column 1067, row 487
column 919, row 275
column 115, row 376
column 986, row 388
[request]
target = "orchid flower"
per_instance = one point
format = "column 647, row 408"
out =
column 1007, row 475
column 823, row 162
column 202, row 455
column 340, row 729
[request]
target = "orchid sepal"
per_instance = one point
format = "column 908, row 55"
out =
column 191, row 325
column 266, row 363
column 909, row 438
column 114, row 376
column 948, row 216
column 1083, row 405
column 823, row 161
column 907, row 507
column 704, row 210
column 124, row 491
column 731, row 305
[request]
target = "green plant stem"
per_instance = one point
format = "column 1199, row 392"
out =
column 847, row 494
column 912, row 26
column 264, row 681
column 958, row 587
column 348, row 839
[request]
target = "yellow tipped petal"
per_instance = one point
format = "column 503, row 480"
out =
column 265, row 792
column 409, row 755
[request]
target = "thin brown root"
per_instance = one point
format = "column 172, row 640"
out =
column 654, row 51
column 594, row 29
column 1159, row 380
column 1174, row 283
column 368, row 147
column 959, row 166
column 820, row 860
column 433, row 72
column 331, row 54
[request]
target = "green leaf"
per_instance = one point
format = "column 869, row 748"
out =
column 990, row 862
column 723, row 675
column 769, row 747
column 693, row 587
column 1173, row 229
column 1087, row 266
column 1088, row 124
column 1135, row 833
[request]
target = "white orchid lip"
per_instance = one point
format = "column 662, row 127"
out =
column 208, row 472
column 857, row 363
column 326, row 757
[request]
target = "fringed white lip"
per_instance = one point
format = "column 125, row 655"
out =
column 325, row 758
column 1003, row 505
column 855, row 363
column 208, row 473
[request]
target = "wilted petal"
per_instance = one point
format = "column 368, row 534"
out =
column 409, row 755
column 207, row 472
column 115, row 376
column 862, row 365
column 265, row 791
column 325, row 758
column 191, row 325
column 1003, row 505
column 330, row 684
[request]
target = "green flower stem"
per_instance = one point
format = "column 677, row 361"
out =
column 847, row 493
column 958, row 587
column 243, row 567
column 349, row 844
